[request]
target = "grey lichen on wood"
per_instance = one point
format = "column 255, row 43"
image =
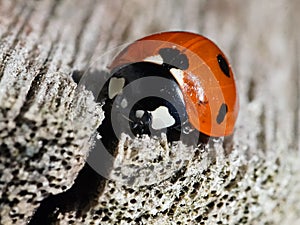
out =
column 46, row 124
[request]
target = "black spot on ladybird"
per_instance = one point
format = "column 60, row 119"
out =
column 223, row 65
column 174, row 58
column 222, row 113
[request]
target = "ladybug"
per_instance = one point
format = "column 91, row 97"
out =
column 178, row 83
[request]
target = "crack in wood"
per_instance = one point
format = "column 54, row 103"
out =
column 14, row 22
column 296, row 78
column 91, row 54
column 114, row 23
column 251, row 90
column 126, row 31
column 80, row 34
column 35, row 84
column 80, row 198
column 16, row 38
column 261, row 136
column 51, row 14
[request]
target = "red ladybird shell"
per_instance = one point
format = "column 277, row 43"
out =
column 202, row 72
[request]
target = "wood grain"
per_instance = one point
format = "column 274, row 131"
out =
column 46, row 124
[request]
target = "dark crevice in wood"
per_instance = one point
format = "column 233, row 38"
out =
column 178, row 174
column 251, row 90
column 89, row 57
column 45, row 66
column 115, row 22
column 50, row 15
column 16, row 38
column 25, row 22
column 35, row 85
column 183, row 192
column 58, row 99
column 296, row 78
column 261, row 136
column 127, row 30
column 80, row 198
column 5, row 112
column 80, row 34
column 235, row 181
column 14, row 22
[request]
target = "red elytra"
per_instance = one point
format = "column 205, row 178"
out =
column 202, row 72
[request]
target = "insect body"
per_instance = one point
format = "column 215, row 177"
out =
column 173, row 82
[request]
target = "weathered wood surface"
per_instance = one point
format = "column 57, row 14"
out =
column 44, row 139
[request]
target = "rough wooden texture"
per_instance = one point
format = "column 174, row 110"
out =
column 46, row 125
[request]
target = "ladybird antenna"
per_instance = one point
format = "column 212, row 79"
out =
column 127, row 118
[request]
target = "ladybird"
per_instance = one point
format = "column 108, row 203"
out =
column 178, row 83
